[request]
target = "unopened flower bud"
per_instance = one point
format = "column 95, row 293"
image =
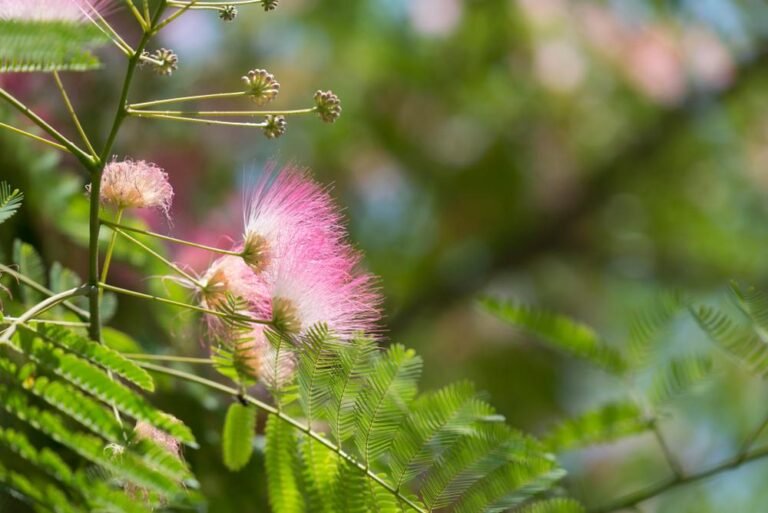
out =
column 261, row 86
column 275, row 126
column 328, row 106
column 167, row 61
column 269, row 5
column 228, row 13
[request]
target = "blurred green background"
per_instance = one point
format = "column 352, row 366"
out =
column 578, row 155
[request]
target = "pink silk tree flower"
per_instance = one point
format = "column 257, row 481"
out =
column 307, row 291
column 52, row 10
column 135, row 184
column 231, row 276
column 285, row 209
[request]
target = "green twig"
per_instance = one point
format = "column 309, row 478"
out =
column 170, row 239
column 182, row 99
column 29, row 282
column 73, row 114
column 35, row 137
column 168, row 358
column 652, row 491
column 223, row 113
column 195, row 308
column 38, row 309
column 194, row 281
column 140, row 114
column 84, row 158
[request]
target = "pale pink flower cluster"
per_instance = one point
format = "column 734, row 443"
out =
column 52, row 10
column 297, row 269
column 145, row 431
column 135, row 184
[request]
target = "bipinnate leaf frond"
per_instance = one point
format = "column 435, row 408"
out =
column 740, row 340
column 372, row 443
column 562, row 332
column 603, row 424
column 48, row 46
column 54, row 382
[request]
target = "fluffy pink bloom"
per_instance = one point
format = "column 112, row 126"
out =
column 136, row 184
column 51, row 10
column 288, row 209
column 306, row 291
column 297, row 271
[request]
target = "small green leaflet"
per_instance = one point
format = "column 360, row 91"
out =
column 10, row 201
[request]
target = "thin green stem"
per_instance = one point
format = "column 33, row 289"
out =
column 213, row 5
column 638, row 497
column 668, row 456
column 145, row 5
column 38, row 309
column 136, row 14
column 181, row 99
column 225, row 113
column 111, row 33
column 82, row 156
column 139, row 114
column 35, row 137
column 110, row 248
column 170, row 239
column 195, row 308
column 73, row 114
column 71, row 324
column 120, row 115
column 194, row 281
column 752, row 438
column 29, row 282
column 304, row 428
column 168, row 358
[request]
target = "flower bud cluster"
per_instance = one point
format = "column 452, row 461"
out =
column 261, row 86
column 328, row 106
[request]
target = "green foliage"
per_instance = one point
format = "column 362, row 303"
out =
column 48, row 46
column 55, row 382
column 282, row 471
column 237, row 435
column 554, row 506
column 604, row 424
column 740, row 340
column 571, row 336
column 31, row 265
column 387, row 448
column 678, row 376
column 105, row 357
column 10, row 201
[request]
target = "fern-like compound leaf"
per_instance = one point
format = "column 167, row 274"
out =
column 10, row 201
column 739, row 340
column 679, row 376
column 237, row 436
column 604, row 424
column 558, row 505
column 99, row 354
column 48, row 46
column 568, row 335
